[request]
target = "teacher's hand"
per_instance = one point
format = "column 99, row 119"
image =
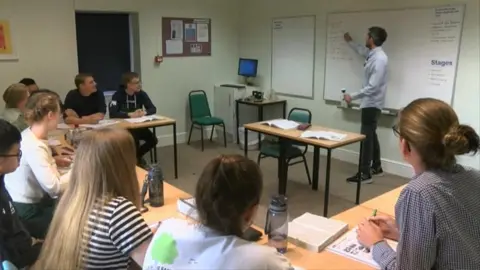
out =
column 347, row 37
column 347, row 98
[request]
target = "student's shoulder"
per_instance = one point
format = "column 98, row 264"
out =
column 73, row 93
column 118, row 94
column 255, row 256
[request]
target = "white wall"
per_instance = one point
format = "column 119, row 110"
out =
column 46, row 40
column 255, row 42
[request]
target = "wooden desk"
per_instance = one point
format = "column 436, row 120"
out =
column 294, row 135
column 385, row 203
column 260, row 105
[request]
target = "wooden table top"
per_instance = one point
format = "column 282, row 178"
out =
column 155, row 123
column 260, row 103
column 294, row 134
column 385, row 203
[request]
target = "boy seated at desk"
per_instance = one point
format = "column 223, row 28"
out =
column 84, row 105
column 130, row 101
column 437, row 214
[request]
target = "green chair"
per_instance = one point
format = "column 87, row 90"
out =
column 200, row 115
column 295, row 152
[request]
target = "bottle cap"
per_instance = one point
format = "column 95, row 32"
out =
column 278, row 203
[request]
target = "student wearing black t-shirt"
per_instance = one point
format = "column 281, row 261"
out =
column 84, row 105
column 130, row 101
column 16, row 244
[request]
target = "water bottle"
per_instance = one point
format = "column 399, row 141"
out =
column 343, row 103
column 276, row 226
column 73, row 136
column 155, row 186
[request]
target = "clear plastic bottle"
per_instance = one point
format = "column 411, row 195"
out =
column 276, row 226
column 155, row 184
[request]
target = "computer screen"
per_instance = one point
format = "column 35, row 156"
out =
column 247, row 67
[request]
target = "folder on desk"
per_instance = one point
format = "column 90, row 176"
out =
column 314, row 232
column 282, row 124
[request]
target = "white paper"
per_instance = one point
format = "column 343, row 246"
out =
column 202, row 32
column 142, row 119
column 325, row 135
column 101, row 124
column 54, row 142
column 283, row 124
column 191, row 32
column 174, row 47
column 196, row 48
column 348, row 246
column 176, row 29
column 63, row 126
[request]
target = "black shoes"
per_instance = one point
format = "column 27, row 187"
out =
column 366, row 178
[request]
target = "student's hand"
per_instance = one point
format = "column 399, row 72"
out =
column 63, row 161
column 140, row 112
column 347, row 37
column 134, row 114
column 347, row 98
column 97, row 117
column 387, row 225
column 368, row 233
column 90, row 119
column 65, row 151
column 36, row 241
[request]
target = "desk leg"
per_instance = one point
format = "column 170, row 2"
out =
column 175, row 157
column 284, row 110
column 359, row 184
column 327, row 183
column 237, row 120
column 155, row 158
column 260, row 118
column 282, row 166
column 316, row 167
column 245, row 143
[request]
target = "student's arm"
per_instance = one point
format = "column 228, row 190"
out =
column 71, row 117
column 114, row 108
column 376, row 78
column 129, row 232
column 417, row 248
column 39, row 159
column 101, row 107
column 148, row 104
column 360, row 49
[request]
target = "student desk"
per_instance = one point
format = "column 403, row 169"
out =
column 290, row 135
column 297, row 256
column 260, row 105
column 385, row 203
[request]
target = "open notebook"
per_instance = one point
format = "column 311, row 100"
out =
column 146, row 118
column 324, row 135
column 282, row 124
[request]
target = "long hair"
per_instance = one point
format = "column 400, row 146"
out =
column 104, row 168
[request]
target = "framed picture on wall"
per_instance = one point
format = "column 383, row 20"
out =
column 8, row 49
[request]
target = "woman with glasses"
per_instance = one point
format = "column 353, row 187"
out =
column 437, row 215
column 37, row 182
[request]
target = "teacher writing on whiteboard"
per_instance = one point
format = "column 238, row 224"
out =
column 372, row 97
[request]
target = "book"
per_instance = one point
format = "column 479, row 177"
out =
column 313, row 232
column 325, row 135
column 348, row 246
column 282, row 124
column 100, row 124
column 142, row 119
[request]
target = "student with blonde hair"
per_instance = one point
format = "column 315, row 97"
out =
column 227, row 197
column 437, row 214
column 37, row 182
column 97, row 224
column 15, row 97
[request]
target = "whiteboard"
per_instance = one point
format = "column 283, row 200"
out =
column 422, row 49
column 293, row 56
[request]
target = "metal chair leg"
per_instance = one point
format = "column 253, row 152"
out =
column 259, row 158
column 224, row 136
column 307, row 170
column 211, row 133
column 201, row 135
column 190, row 134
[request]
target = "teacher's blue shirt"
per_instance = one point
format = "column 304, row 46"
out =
column 375, row 81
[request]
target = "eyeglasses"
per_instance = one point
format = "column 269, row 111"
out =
column 19, row 155
column 395, row 130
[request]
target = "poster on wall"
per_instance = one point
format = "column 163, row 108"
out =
column 7, row 44
column 186, row 37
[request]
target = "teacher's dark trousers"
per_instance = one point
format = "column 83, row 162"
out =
column 371, row 146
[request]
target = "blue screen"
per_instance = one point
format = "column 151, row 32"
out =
column 247, row 67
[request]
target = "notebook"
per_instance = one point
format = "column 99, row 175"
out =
column 101, row 124
column 313, row 232
column 282, row 124
column 144, row 119
column 325, row 135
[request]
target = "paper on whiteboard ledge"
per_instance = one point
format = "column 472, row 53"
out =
column 348, row 246
column 326, row 135
column 142, row 119
column 174, row 47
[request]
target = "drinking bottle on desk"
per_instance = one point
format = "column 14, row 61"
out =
column 155, row 186
column 276, row 226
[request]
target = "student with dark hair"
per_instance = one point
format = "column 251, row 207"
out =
column 15, row 97
column 437, row 215
column 85, row 104
column 227, row 196
column 372, row 95
column 16, row 244
column 131, row 101
column 30, row 83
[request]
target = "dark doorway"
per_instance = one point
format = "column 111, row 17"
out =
column 103, row 44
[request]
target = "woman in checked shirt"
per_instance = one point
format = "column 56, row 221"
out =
column 437, row 222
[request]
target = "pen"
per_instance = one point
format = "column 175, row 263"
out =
column 374, row 213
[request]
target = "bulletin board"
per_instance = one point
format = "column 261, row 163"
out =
column 186, row 37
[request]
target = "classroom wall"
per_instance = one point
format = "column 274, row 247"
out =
column 47, row 48
column 255, row 42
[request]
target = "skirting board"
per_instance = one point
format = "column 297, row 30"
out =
column 389, row 166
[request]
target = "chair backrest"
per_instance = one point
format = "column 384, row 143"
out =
column 198, row 102
column 300, row 115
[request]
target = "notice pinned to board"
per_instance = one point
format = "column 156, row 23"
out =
column 186, row 37
column 277, row 25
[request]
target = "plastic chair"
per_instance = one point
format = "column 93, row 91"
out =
column 293, row 150
column 201, row 116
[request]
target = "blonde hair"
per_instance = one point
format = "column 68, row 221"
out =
column 39, row 105
column 431, row 126
column 14, row 94
column 104, row 168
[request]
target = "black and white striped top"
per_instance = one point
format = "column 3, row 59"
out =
column 112, row 233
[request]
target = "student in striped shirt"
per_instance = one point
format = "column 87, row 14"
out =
column 97, row 224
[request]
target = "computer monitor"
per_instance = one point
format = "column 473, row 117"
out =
column 247, row 67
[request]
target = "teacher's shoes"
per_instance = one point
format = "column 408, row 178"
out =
column 362, row 177
column 378, row 171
